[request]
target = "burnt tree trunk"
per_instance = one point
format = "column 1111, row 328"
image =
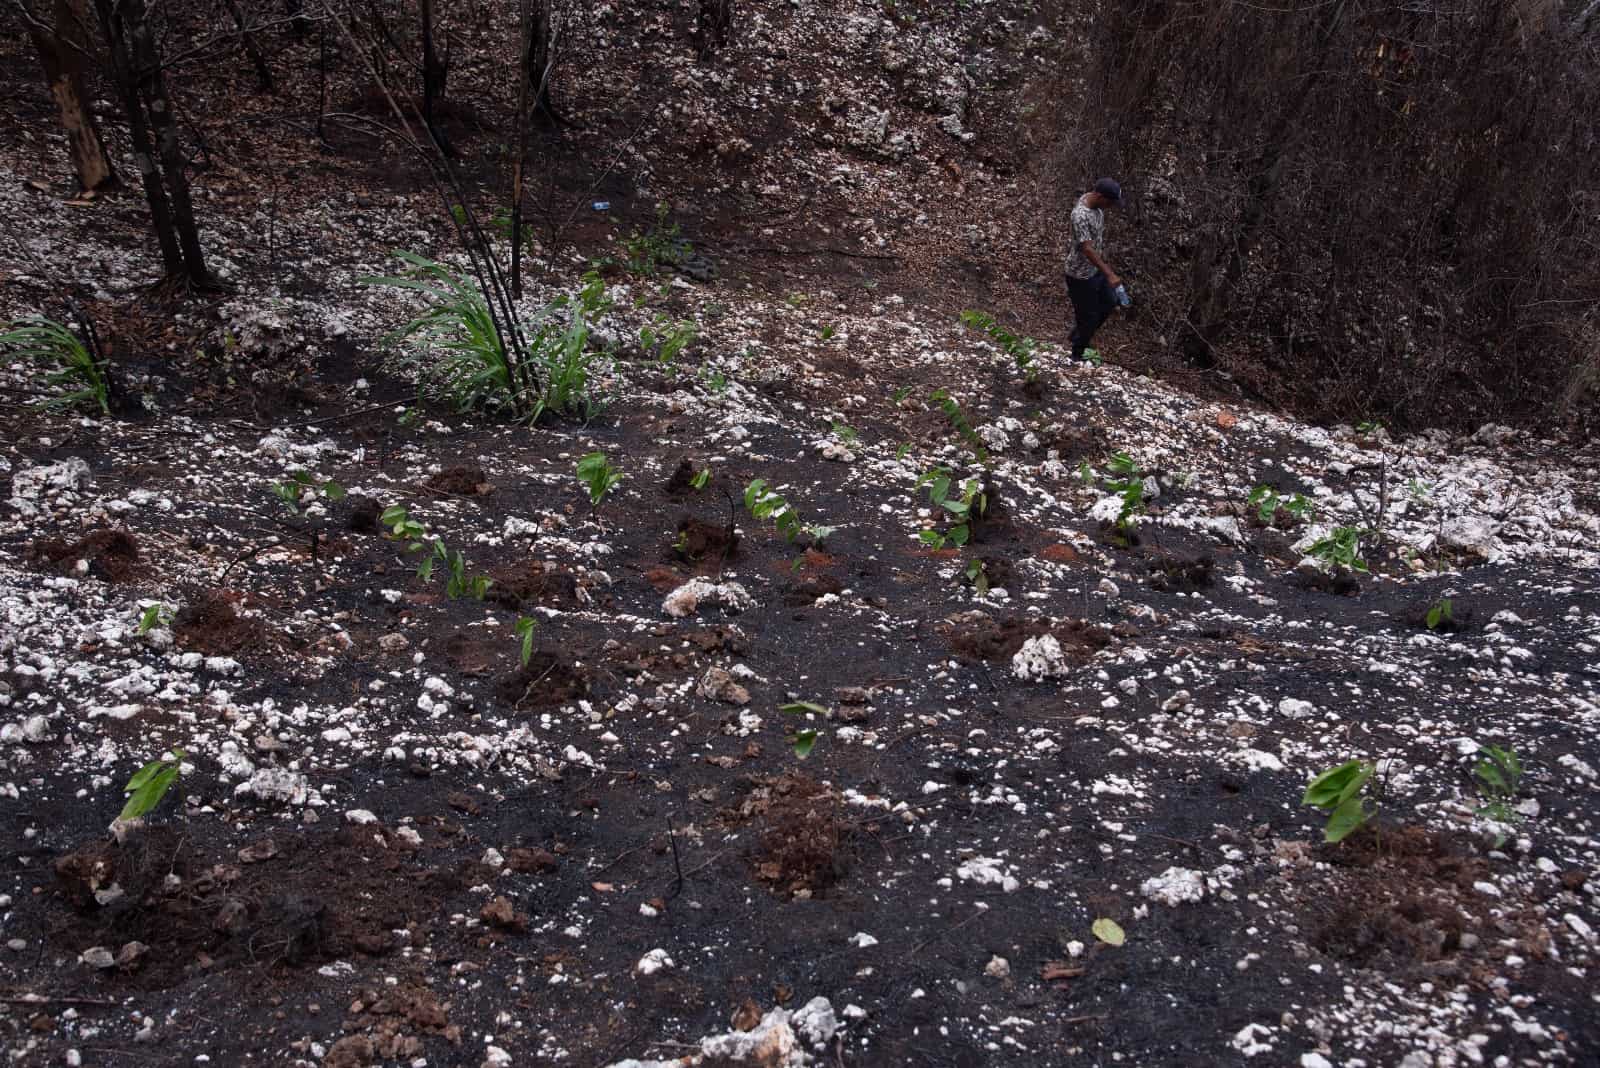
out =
column 434, row 73
column 712, row 24
column 136, row 65
column 538, row 60
column 61, row 53
column 257, row 58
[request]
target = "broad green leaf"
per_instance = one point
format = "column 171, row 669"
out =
column 1346, row 818
column 1324, row 791
column 1109, row 932
column 804, row 741
column 803, row 706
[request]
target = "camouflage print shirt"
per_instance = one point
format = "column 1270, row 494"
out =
column 1088, row 224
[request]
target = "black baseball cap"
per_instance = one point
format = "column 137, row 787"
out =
column 1108, row 188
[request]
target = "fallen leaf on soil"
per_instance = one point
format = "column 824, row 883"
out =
column 1058, row 969
column 1060, row 554
column 531, row 860
column 1227, row 420
column 1109, row 932
column 256, row 852
column 602, row 888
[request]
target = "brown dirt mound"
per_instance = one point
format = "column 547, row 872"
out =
column 1403, row 898
column 461, row 482
column 802, row 832
column 211, row 624
column 364, row 513
column 699, row 540
column 532, row 582
column 314, row 899
column 1176, row 575
column 113, row 555
column 975, row 636
column 682, row 480
column 549, row 679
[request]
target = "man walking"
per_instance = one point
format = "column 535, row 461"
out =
column 1091, row 283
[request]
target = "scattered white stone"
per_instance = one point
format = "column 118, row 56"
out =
column 1039, row 658
column 861, row 940
column 1175, row 886
column 688, row 598
column 987, row 871
column 1253, row 1039
column 816, row 1023
column 652, row 962
column 360, row 817
column 998, row 968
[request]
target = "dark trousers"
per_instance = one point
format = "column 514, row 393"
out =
column 1092, row 302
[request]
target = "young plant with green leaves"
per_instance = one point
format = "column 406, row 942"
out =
column 960, row 424
column 805, row 739
column 464, row 351
column 653, row 248
column 965, row 507
column 149, row 785
column 1440, row 614
column 1267, row 502
column 1020, row 349
column 1128, row 484
column 475, row 366
column 524, row 629
column 1498, row 774
column 663, row 341
column 1339, row 548
column 292, row 490
column 598, row 477
column 764, row 503
column 415, row 537
column 63, row 359
column 1338, row 793
column 154, row 615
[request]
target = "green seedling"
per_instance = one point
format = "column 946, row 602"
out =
column 149, row 785
column 597, row 474
column 294, row 485
column 1129, row 485
column 524, row 629
column 1499, row 777
column 764, row 503
column 415, row 537
column 844, row 432
column 965, row 509
column 156, row 615
column 701, row 478
column 978, row 574
column 1337, row 792
column 1020, row 349
column 658, row 246
column 804, row 740
column 1440, row 613
column 827, row 333
column 960, row 424
column 902, row 393
column 1267, row 502
column 1341, row 547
